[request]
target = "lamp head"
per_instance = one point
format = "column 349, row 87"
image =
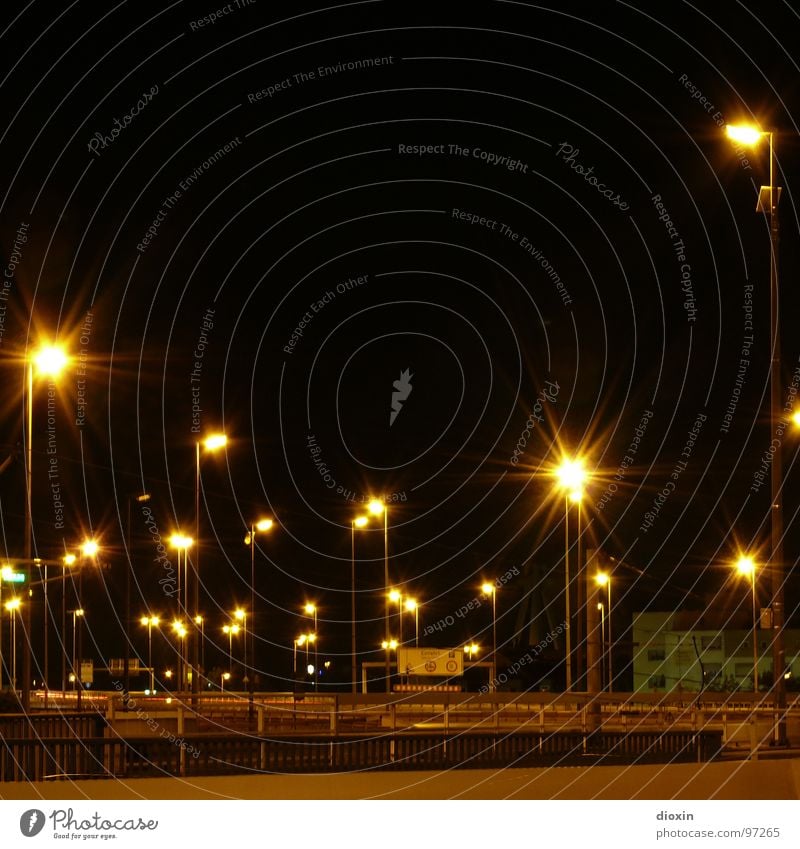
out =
column 744, row 133
column 50, row 360
column 376, row 507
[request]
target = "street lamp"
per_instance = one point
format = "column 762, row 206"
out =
column 69, row 560
column 230, row 630
column 357, row 522
column 211, row 443
column 396, row 597
column 150, row 622
column 471, row 650
column 602, row 608
column 12, row 606
column 180, row 631
column 571, row 476
column 299, row 641
column 49, row 360
column 311, row 610
column 240, row 615
column 181, row 543
column 200, row 622
column 89, row 550
column 746, row 567
column 603, row 579
column 141, row 498
column 76, row 614
column 261, row 526
column 377, row 508
column 222, row 679
column 412, row 607
column 491, row 590
column 768, row 199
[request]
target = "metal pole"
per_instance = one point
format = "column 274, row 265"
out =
column 567, row 637
column 127, row 625
column 755, row 632
column 64, row 630
column 776, row 476
column 386, row 592
column 610, row 642
column 46, row 677
column 13, row 650
column 196, row 571
column 602, row 610
column 251, row 684
column 150, row 655
column 353, row 665
column 80, row 642
column 494, row 635
column 28, row 441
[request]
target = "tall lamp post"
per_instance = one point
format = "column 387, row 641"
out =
column 240, row 615
column 377, row 508
column 150, row 622
column 141, row 498
column 491, row 590
column 603, row 579
column 768, row 199
column 180, row 632
column 49, row 360
column 89, row 550
column 357, row 522
column 181, row 543
column 746, row 567
column 230, row 630
column 12, row 606
column 310, row 609
column 571, row 476
column 211, row 443
column 76, row 673
column 261, row 526
column 412, row 606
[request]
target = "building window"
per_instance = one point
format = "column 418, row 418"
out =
column 711, row 643
column 657, row 681
column 655, row 654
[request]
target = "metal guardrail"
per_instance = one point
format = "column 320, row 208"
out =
column 204, row 755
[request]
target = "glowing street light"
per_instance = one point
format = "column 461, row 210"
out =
column 744, row 134
column 412, row 606
column 603, row 579
column 212, row 442
column 310, row 609
column 471, row 650
column 571, row 475
column 49, row 360
column 376, row 508
column 230, row 630
column 357, row 522
column 150, row 622
column 181, row 543
column 76, row 614
column 768, row 199
column 491, row 590
column 12, row 606
column 259, row 527
column 746, row 567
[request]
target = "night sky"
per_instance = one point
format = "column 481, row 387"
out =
column 257, row 222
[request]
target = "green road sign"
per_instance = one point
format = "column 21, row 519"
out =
column 9, row 576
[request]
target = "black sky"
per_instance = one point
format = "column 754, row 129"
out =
column 314, row 190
